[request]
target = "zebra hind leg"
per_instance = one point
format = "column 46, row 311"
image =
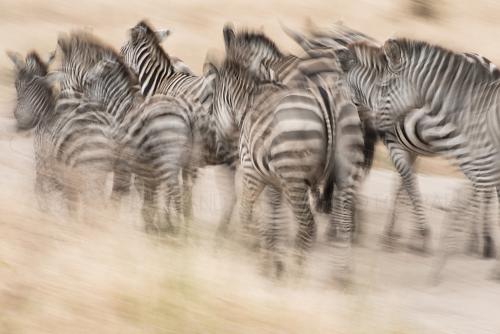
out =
column 251, row 188
column 298, row 198
column 150, row 206
column 273, row 235
column 174, row 212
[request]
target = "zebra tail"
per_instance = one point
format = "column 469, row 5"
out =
column 370, row 137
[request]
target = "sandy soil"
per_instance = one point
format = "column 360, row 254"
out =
column 106, row 276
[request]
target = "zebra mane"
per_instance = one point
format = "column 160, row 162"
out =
column 87, row 48
column 368, row 55
column 409, row 48
column 258, row 39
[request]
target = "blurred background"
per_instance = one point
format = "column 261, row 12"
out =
column 57, row 276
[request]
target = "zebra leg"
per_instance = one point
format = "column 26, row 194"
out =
column 223, row 227
column 403, row 162
column 122, row 178
column 188, row 177
column 273, row 234
column 454, row 226
column 150, row 206
column 174, row 196
column 389, row 235
column 297, row 194
column 488, row 243
column 251, row 189
column 342, row 215
column 42, row 183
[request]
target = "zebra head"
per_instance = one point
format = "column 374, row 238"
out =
column 397, row 95
column 143, row 47
column 81, row 51
column 33, row 88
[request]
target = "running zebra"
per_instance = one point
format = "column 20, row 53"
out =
column 289, row 142
column 404, row 142
column 155, row 70
column 158, row 138
column 72, row 140
column 157, row 74
column 255, row 50
column 462, row 97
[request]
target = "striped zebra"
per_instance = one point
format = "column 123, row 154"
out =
column 72, row 140
column 155, row 70
column 291, row 139
column 462, row 97
column 404, row 142
column 253, row 50
column 158, row 138
column 157, row 74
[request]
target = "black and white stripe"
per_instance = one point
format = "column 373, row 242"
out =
column 462, row 97
column 288, row 142
column 72, row 139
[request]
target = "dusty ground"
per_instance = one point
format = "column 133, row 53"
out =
column 58, row 276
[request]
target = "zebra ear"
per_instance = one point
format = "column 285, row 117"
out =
column 50, row 58
column 229, row 34
column 209, row 69
column 346, row 58
column 17, row 59
column 162, row 34
column 393, row 53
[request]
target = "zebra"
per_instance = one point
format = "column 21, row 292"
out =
column 155, row 70
column 462, row 97
column 404, row 142
column 289, row 142
column 157, row 137
column 72, row 139
column 157, row 74
column 254, row 50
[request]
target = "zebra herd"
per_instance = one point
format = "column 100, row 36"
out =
column 294, row 125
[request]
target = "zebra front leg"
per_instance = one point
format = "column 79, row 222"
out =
column 121, row 186
column 403, row 162
column 273, row 234
column 454, row 226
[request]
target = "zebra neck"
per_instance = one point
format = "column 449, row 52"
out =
column 118, row 105
column 152, row 77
